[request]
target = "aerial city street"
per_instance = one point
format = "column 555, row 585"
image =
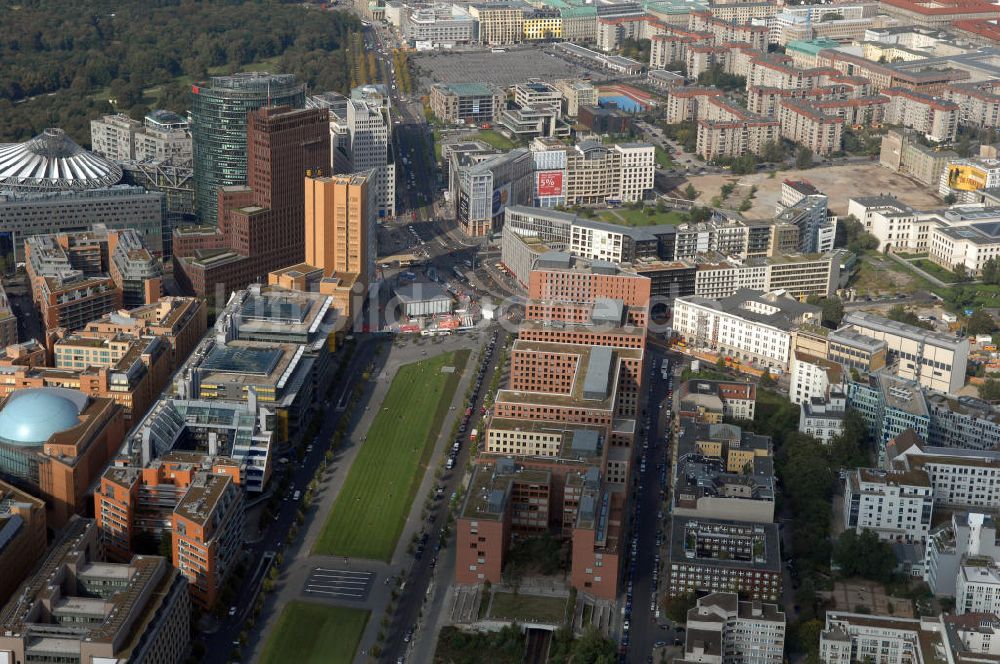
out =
column 505, row 332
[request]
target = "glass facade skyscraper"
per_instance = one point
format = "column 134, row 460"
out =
column 219, row 129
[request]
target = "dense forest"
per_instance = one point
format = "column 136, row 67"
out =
column 63, row 60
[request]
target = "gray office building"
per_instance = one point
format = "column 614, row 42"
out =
column 219, row 129
column 39, row 213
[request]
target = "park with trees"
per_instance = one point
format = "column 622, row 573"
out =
column 67, row 63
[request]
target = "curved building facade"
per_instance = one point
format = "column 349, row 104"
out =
column 51, row 161
column 27, row 420
column 54, row 442
column 219, row 129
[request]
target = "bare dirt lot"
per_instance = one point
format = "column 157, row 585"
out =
column 840, row 183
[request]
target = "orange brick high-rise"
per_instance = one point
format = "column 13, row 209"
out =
column 261, row 224
column 557, row 453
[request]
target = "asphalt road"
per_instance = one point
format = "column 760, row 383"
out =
column 405, row 620
column 650, row 512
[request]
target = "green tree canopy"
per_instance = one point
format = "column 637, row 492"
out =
column 849, row 449
column 833, row 309
column 981, row 322
column 773, row 151
column 990, row 390
column 63, row 61
column 803, row 158
column 991, row 272
column 901, row 314
column 851, row 233
column 865, row 556
column 716, row 75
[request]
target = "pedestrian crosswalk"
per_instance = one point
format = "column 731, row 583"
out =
column 339, row 584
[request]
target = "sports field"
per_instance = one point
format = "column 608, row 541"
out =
column 370, row 511
column 313, row 633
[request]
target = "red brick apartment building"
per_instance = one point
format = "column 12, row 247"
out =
column 508, row 499
column 556, row 456
column 261, row 225
column 190, row 497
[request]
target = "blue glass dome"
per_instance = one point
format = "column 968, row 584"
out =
column 31, row 416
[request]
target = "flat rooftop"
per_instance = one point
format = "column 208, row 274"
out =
column 202, row 497
column 885, row 325
column 756, row 543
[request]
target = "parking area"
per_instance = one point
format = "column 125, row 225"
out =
column 515, row 65
column 342, row 584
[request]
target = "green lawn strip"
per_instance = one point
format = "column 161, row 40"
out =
column 495, row 139
column 315, row 634
column 508, row 606
column 936, row 270
column 368, row 515
column 638, row 217
column 871, row 279
column 437, row 144
column 663, row 159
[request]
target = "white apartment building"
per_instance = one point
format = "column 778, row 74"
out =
column 970, row 246
column 933, row 359
column 977, row 589
column 499, row 23
column 576, row 93
column 967, row 535
column 960, row 478
column 750, row 326
column 793, row 15
column 857, row 637
column 812, row 377
column 824, row 418
column 896, row 505
column 937, row 118
column 978, row 104
column 439, row 24
column 537, row 94
column 597, row 173
column 599, row 242
column 723, row 630
column 162, row 137
column 638, row 169
column 797, row 274
column 369, row 129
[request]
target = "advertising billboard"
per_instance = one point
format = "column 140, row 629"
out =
column 501, row 196
column 966, row 178
column 549, row 183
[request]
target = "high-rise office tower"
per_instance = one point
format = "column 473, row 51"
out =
column 338, row 225
column 261, row 224
column 219, row 129
column 369, row 130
